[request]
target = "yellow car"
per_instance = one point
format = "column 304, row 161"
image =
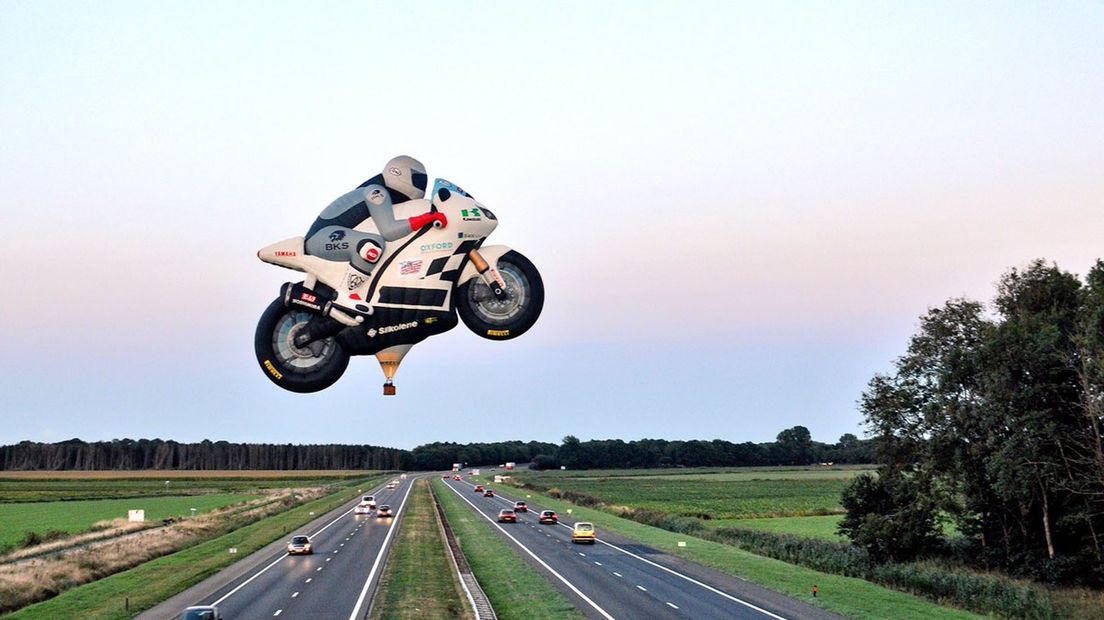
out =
column 583, row 532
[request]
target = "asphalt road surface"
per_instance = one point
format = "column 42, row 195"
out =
column 618, row 578
column 336, row 581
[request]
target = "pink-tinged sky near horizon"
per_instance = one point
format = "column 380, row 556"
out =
column 739, row 209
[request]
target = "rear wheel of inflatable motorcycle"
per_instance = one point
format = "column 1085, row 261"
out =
column 509, row 318
column 297, row 369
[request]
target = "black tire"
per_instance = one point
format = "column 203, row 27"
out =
column 294, row 369
column 503, row 320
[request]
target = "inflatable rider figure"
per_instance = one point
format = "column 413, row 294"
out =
column 332, row 236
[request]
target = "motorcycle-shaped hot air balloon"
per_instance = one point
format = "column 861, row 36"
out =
column 420, row 284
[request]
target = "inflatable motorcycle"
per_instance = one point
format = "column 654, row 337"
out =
column 420, row 284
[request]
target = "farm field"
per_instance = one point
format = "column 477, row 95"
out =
column 822, row 527
column 709, row 495
column 843, row 472
column 78, row 485
column 16, row 519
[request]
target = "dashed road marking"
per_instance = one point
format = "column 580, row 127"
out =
column 641, row 588
column 309, row 580
column 318, row 569
column 617, row 573
column 598, row 563
column 294, row 594
column 278, row 612
column 672, row 605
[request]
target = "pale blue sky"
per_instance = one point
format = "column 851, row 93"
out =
column 739, row 209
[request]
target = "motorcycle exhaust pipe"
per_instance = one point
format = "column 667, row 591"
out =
column 299, row 296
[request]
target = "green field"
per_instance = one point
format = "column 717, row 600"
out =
column 719, row 495
column 78, row 516
column 96, row 485
column 842, row 472
column 820, row 527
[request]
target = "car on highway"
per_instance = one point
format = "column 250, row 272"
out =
column 299, row 544
column 362, row 508
column 583, row 532
column 488, row 493
column 384, row 511
column 393, row 484
column 478, row 488
column 370, row 500
column 549, row 516
column 507, row 516
column 456, row 477
column 445, row 477
column 201, row 612
column 521, row 507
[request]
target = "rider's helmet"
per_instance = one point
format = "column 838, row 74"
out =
column 406, row 178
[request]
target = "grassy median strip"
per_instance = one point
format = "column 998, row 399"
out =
column 156, row 580
column 418, row 581
column 847, row 596
column 516, row 589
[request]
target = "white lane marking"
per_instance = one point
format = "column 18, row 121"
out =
column 328, row 559
column 598, row 563
column 617, row 573
column 294, row 594
column 534, row 556
column 379, row 556
column 309, row 580
column 680, row 575
column 582, row 554
column 277, row 560
column 641, row 588
column 278, row 612
column 335, row 550
column 318, row 569
column 673, row 606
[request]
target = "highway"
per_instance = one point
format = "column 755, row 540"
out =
column 618, row 578
column 336, row 581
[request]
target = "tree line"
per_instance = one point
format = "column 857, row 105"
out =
column 130, row 454
column 793, row 447
column 992, row 420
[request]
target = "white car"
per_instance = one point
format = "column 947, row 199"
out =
column 393, row 484
column 370, row 500
column 362, row 508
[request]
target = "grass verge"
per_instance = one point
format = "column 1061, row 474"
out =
column 848, row 596
column 516, row 590
column 418, row 581
column 156, row 580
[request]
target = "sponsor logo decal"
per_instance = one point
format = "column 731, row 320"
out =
column 372, row 255
column 498, row 332
column 272, row 370
column 431, row 320
column 336, row 242
column 391, row 329
column 439, row 246
column 471, row 215
column 395, row 171
column 353, row 281
column 285, row 253
column 464, row 235
column 376, row 196
column 308, row 297
column 410, row 267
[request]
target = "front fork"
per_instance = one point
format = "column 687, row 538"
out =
column 490, row 275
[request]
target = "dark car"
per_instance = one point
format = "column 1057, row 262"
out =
column 488, row 493
column 384, row 511
column 549, row 516
column 478, row 488
column 521, row 507
column 507, row 516
column 299, row 544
